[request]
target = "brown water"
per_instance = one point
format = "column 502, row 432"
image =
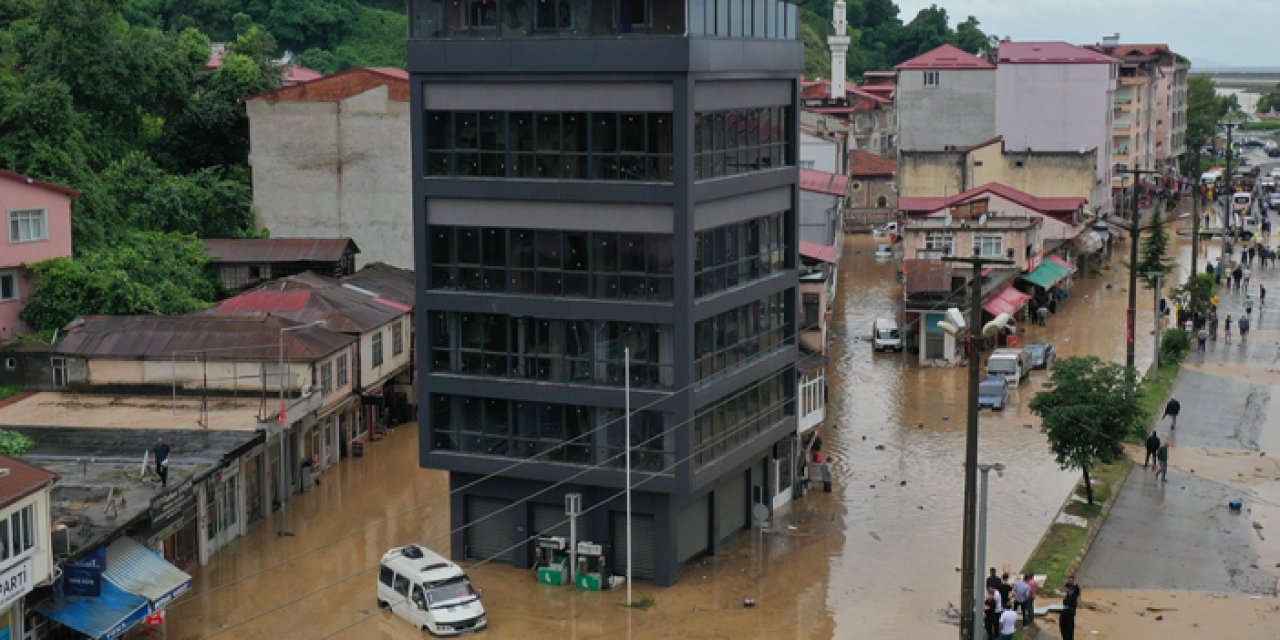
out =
column 861, row 562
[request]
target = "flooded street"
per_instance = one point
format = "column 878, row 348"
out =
column 876, row 558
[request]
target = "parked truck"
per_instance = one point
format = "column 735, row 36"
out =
column 1011, row 363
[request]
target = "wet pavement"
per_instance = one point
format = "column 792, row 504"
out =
column 876, row 558
column 1181, row 534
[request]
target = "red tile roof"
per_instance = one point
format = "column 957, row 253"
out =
column 929, row 204
column 815, row 89
column 48, row 186
column 277, row 302
column 1048, row 53
column 165, row 337
column 864, row 164
column 831, row 184
column 343, row 85
column 297, row 74
column 817, row 251
column 1134, row 52
column 878, row 94
column 947, row 56
column 20, row 479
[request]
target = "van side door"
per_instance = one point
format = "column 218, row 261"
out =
column 400, row 603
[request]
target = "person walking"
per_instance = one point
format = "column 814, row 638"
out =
column 1227, row 329
column 1172, row 409
column 1067, row 618
column 1262, row 296
column 1213, row 326
column 1006, row 593
column 1153, row 445
column 1236, row 274
column 1029, row 589
column 1008, row 623
column 1244, row 329
column 990, row 615
column 1203, row 336
column 1248, row 275
column 1248, row 304
column 161, row 452
column 1162, row 455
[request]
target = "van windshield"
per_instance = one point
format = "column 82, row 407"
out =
column 1001, row 366
column 448, row 593
column 887, row 334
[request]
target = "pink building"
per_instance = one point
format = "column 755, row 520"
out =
column 37, row 226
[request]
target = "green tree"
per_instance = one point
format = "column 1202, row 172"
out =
column 1085, row 409
column 1203, row 110
column 14, row 444
column 928, row 30
column 969, row 36
column 143, row 272
column 1155, row 250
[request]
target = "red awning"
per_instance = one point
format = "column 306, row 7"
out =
column 1064, row 263
column 1007, row 300
column 817, row 251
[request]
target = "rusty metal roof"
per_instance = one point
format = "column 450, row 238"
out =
column 216, row 337
column 260, row 250
column 383, row 280
column 307, row 297
column 926, row 276
column 20, row 479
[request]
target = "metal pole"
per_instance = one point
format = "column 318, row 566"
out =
column 1195, row 219
column 284, row 490
column 967, row 594
column 626, row 386
column 1131, row 314
column 1230, row 189
column 1155, row 371
column 981, row 552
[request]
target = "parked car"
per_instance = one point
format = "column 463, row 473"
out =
column 993, row 393
column 1275, row 200
column 884, row 251
column 1012, row 363
column 1042, row 355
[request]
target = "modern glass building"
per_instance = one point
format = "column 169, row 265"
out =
column 589, row 176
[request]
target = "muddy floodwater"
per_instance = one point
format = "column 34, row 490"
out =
column 878, row 557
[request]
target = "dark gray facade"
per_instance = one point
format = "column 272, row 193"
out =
column 569, row 191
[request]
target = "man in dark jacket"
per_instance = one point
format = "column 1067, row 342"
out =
column 1153, row 445
column 1070, row 600
column 1171, row 410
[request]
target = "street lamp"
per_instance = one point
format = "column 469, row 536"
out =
column 982, row 545
column 284, row 487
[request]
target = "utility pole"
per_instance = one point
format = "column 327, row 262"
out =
column 968, row 571
column 1228, row 215
column 1195, row 220
column 1159, row 277
column 1135, row 233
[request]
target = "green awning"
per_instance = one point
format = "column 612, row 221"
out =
column 1047, row 274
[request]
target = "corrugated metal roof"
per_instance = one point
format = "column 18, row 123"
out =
column 218, row 337
column 384, row 280
column 343, row 85
column 832, row 184
column 260, row 250
column 825, row 253
column 141, row 571
column 103, row 617
column 929, row 204
column 307, row 297
column 947, row 56
column 1049, row 52
column 921, row 276
column 22, row 479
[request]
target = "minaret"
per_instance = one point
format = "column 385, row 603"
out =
column 839, row 43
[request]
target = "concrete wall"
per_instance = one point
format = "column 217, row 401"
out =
column 42, row 554
column 335, row 169
column 16, row 196
column 1044, row 174
column 391, row 362
column 868, row 191
column 1059, row 107
column 819, row 153
column 30, row 369
column 820, row 216
column 1017, row 239
column 957, row 112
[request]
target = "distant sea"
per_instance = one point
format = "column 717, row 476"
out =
column 1222, row 69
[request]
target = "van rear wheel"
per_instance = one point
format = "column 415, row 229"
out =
column 382, row 604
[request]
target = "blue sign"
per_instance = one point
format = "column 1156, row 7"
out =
column 84, row 576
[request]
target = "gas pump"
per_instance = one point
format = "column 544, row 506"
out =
column 591, row 572
column 551, row 560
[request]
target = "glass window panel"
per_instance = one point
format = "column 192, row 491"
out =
column 547, row 165
column 758, row 15
column 495, row 247
column 548, row 132
column 632, row 168
column 604, row 167
column 576, row 247
column 661, row 259
column 466, row 130
column 698, row 16
column 493, row 135
column 604, row 132
column 483, row 14
column 441, row 245
column 633, row 16
column 573, row 166
column 604, row 17
column 521, row 131
column 467, row 164
column 632, row 127
column 722, row 18
column 668, row 18
column 549, row 256
column 521, row 248
column 575, row 132
column 516, row 19
column 439, row 130
column 633, row 253
column 468, row 245
column 579, row 17
column 660, row 133
column 735, row 18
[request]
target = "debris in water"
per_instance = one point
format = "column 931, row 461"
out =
column 749, row 602
column 879, row 447
column 875, row 535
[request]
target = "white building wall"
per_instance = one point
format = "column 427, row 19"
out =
column 819, row 153
column 957, row 112
column 1059, row 107
column 335, row 169
column 391, row 361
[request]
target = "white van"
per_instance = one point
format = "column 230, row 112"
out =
column 1013, row 364
column 1241, row 201
column 429, row 591
column 1252, row 224
column 885, row 335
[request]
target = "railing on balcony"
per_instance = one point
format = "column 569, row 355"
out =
column 1122, row 123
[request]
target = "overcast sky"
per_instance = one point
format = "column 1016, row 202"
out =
column 1210, row 32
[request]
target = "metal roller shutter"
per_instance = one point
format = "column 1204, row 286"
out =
column 731, row 505
column 549, row 520
column 642, row 532
column 693, row 525
column 493, row 537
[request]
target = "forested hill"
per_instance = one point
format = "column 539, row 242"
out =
column 331, row 35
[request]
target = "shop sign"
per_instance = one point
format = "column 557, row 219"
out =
column 84, row 576
column 15, row 582
column 168, row 508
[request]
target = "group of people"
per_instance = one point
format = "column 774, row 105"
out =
column 1005, row 600
column 1203, row 322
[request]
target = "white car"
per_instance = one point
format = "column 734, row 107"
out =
column 1275, row 200
column 884, row 251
